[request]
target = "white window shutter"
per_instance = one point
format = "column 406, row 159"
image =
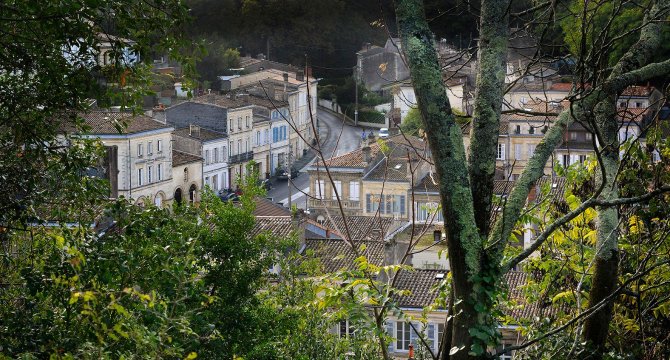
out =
column 390, row 332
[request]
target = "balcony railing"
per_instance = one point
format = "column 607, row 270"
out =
column 234, row 159
column 347, row 204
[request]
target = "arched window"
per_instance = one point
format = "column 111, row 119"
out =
column 192, row 193
column 177, row 196
column 158, row 200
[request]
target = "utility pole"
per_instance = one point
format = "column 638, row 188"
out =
column 288, row 169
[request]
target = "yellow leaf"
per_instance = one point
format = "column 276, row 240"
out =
column 191, row 356
column 382, row 67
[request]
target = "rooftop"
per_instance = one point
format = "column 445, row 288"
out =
column 232, row 101
column 354, row 159
column 116, row 123
column 360, row 227
column 199, row 133
column 182, row 158
column 337, row 255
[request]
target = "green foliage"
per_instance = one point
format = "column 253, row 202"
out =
column 220, row 58
column 412, row 124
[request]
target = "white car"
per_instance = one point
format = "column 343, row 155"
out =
column 383, row 133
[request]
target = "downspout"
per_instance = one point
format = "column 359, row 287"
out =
column 130, row 175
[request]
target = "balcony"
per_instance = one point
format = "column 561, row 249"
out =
column 332, row 204
column 234, row 159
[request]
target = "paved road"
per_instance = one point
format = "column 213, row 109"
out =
column 339, row 139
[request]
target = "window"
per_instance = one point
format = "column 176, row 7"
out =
column 239, row 146
column 346, row 330
column 518, row 129
column 223, row 153
column 354, row 190
column 239, row 122
column 545, row 129
column 150, row 148
column 230, row 148
column 159, row 172
column 440, row 332
column 186, row 175
column 638, row 104
column 149, row 168
column 589, row 136
column 274, row 134
column 246, row 145
column 206, row 180
column 338, row 187
column 139, row 177
column 573, row 135
column 582, row 158
column 531, row 130
column 622, row 104
column 206, row 157
column 246, row 121
column 140, row 150
column 517, row 151
column 215, row 182
column 158, row 200
column 523, row 100
column 501, row 152
column 531, row 150
column 267, row 136
column 216, row 155
column 402, row 336
column 258, row 138
column 231, row 128
column 159, row 145
column 320, row 190
column 428, row 212
column 566, row 160
column 371, row 203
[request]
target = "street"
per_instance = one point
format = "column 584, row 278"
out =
column 336, row 139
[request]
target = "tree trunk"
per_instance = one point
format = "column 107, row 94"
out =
column 491, row 70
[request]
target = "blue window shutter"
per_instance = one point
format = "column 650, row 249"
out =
column 389, row 331
column 367, row 202
column 402, row 204
column 430, row 333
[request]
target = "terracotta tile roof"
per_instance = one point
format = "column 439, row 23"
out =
column 109, row 123
column 361, row 227
column 181, row 158
column 522, row 311
column 265, row 207
column 502, row 187
column 354, row 159
column 201, row 134
column 638, row 91
column 538, row 106
column 337, row 255
column 389, row 170
column 556, row 185
column 567, row 86
column 633, row 114
column 279, row 226
column 503, row 127
column 421, row 285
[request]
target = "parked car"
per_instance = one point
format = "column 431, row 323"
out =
column 283, row 174
column 383, row 133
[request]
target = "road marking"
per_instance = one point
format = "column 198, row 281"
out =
column 295, row 196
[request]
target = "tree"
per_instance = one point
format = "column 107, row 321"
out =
column 476, row 246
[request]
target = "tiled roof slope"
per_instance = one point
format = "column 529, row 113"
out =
column 394, row 169
column 181, row 158
column 428, row 184
column 361, row 227
column 421, row 285
column 201, row 134
column 279, row 226
column 641, row 91
column 109, row 123
column 265, row 207
column 337, row 255
column 354, row 159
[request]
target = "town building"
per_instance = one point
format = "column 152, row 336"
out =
column 212, row 147
column 187, row 177
column 139, row 154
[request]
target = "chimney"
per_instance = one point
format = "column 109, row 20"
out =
column 300, row 75
column 366, row 154
column 285, row 77
column 532, row 194
column 194, row 130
